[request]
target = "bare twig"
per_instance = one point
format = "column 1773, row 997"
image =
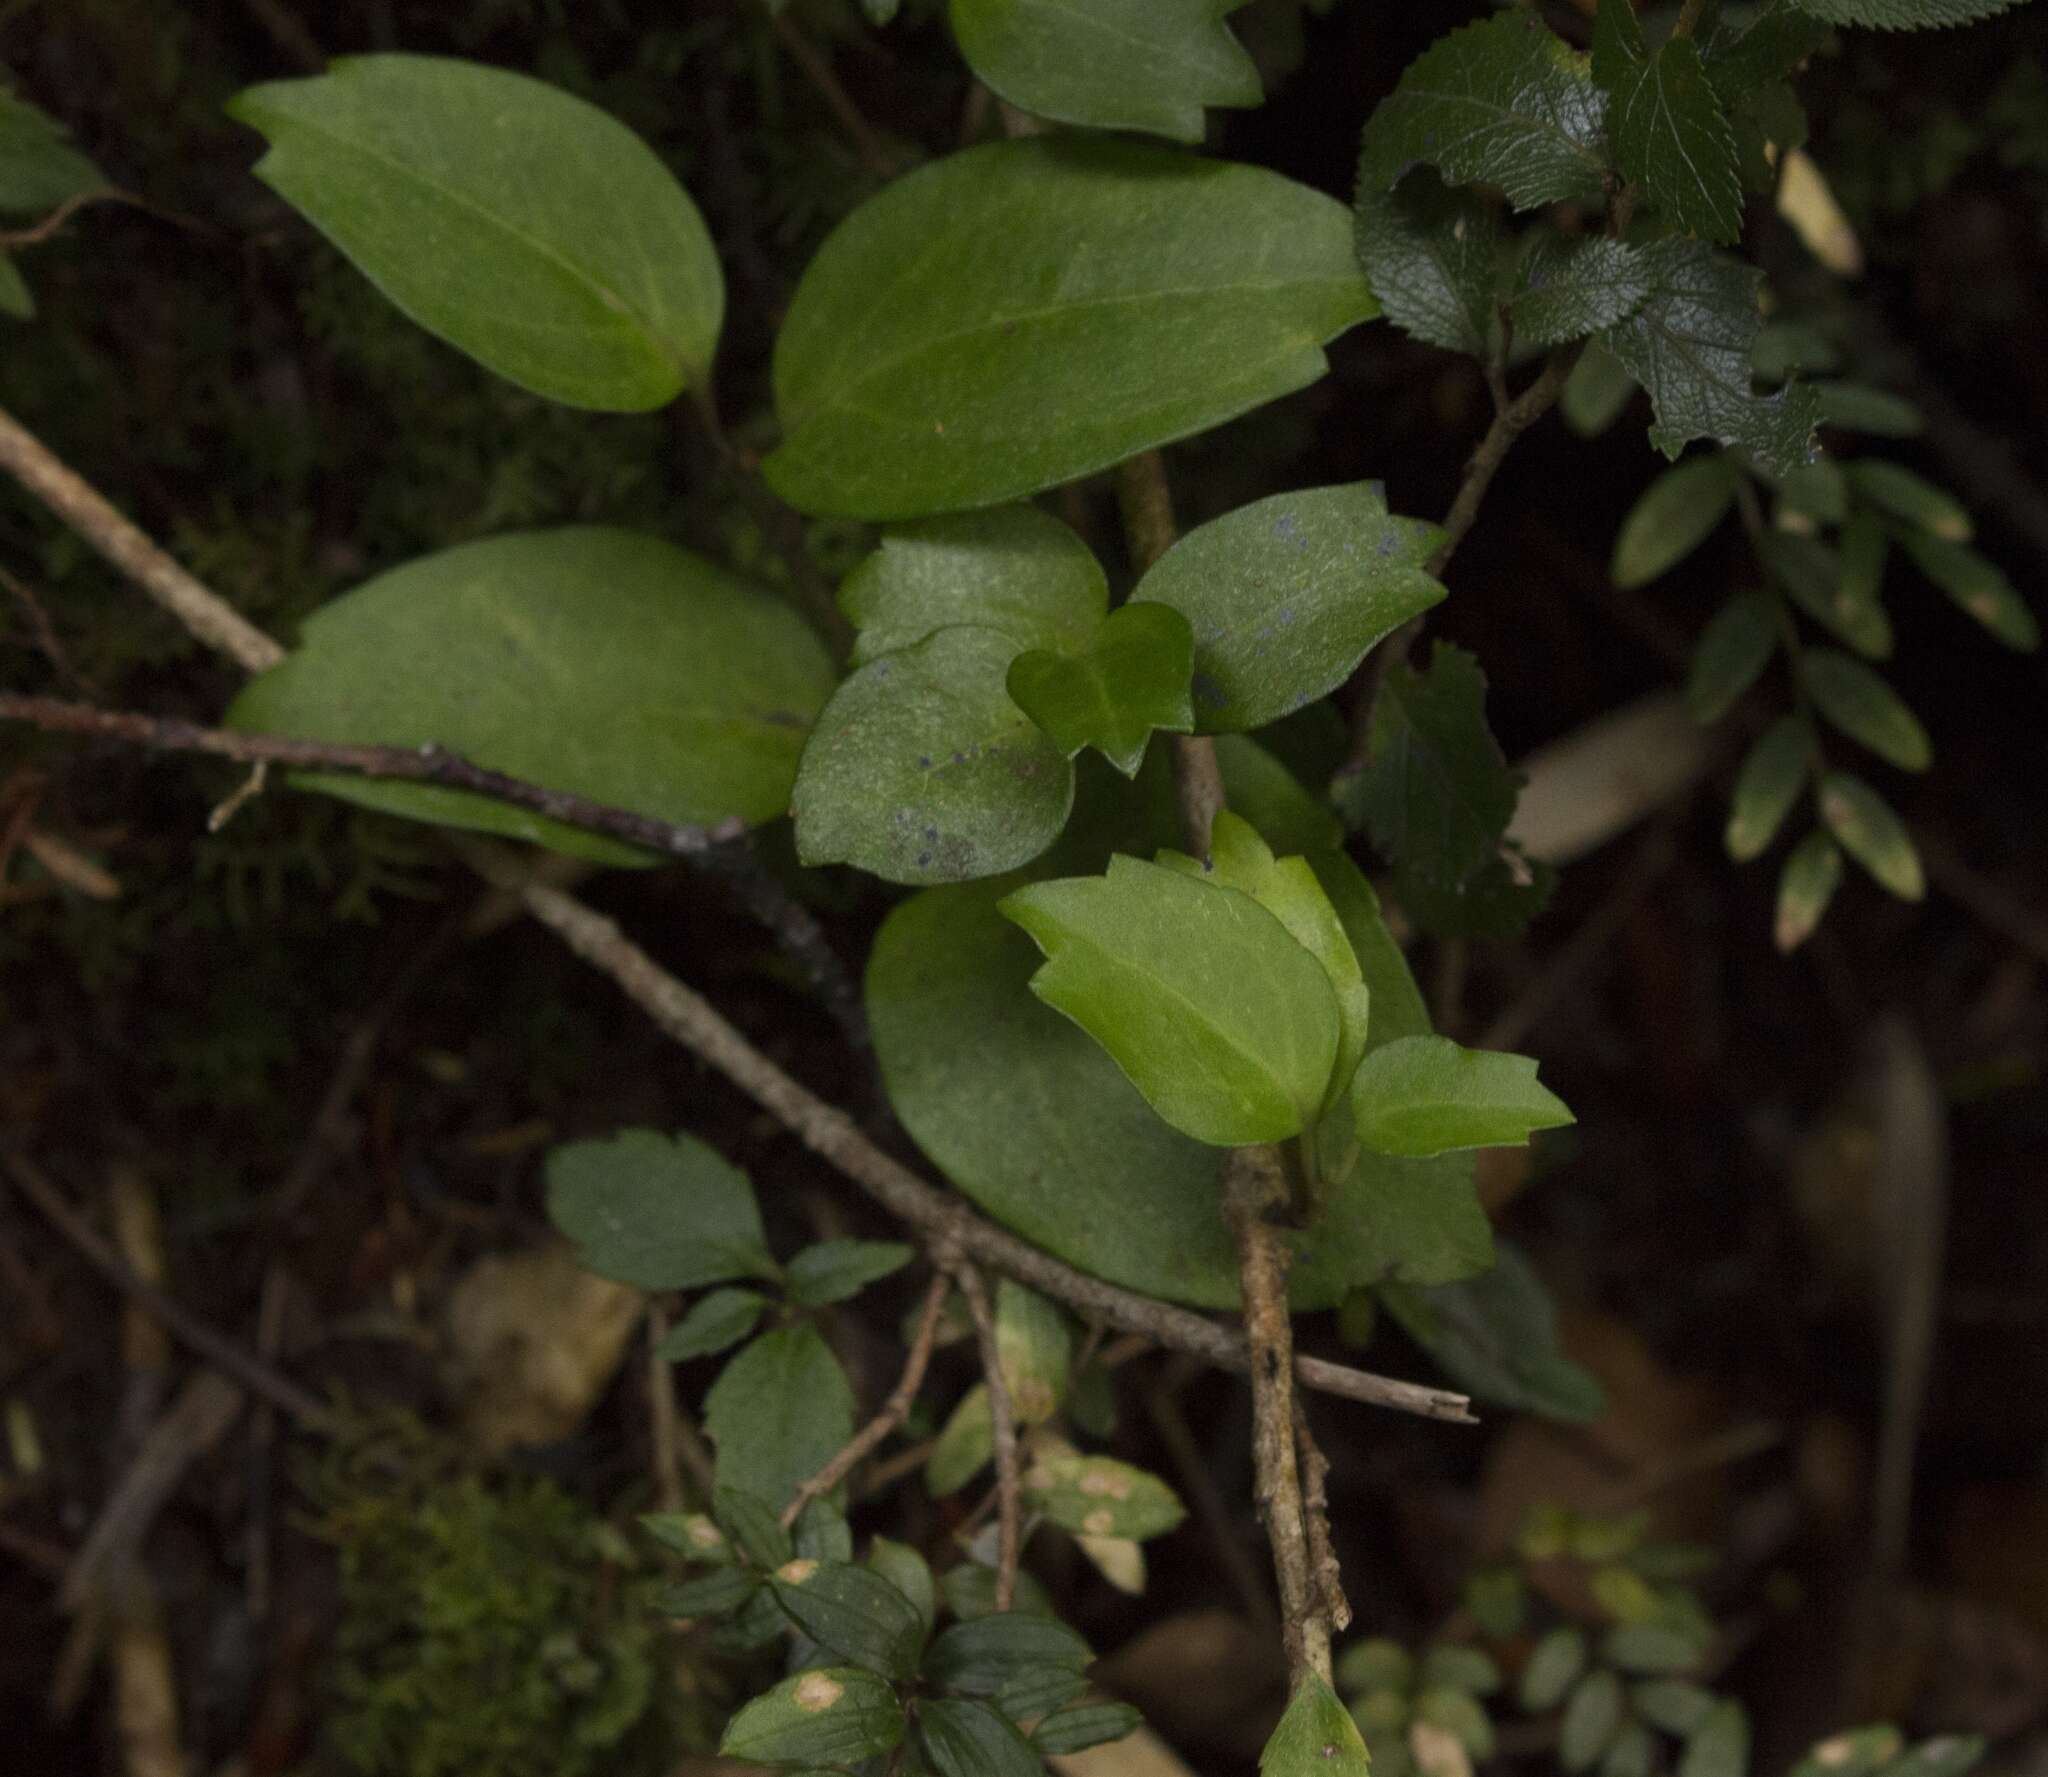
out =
column 894, row 1410
column 1315, row 1506
column 676, row 1443
column 44, row 631
column 1003, row 1427
column 216, row 1348
column 1508, row 425
column 39, row 232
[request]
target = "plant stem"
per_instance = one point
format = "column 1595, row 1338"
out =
column 1003, row 1428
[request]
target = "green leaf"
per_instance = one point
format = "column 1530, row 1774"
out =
column 1568, row 287
column 610, row 665
column 1978, row 586
column 1783, row 347
column 1689, row 346
column 964, row 1446
column 716, row 1321
column 1631, row 1753
column 1590, row 1719
column 17, row 301
column 1596, row 391
column 1904, row 15
column 1872, row 834
column 1423, row 1096
column 1497, row 1336
column 1671, row 134
column 1286, row 595
column 1732, row 653
column 832, row 1270
column 1653, row 1647
column 833, row 1715
column 1674, row 516
column 964, row 1737
column 692, row 1535
column 1673, row 1704
column 978, row 1658
column 1855, row 407
column 1773, row 773
column 1806, row 885
column 39, row 169
column 1099, row 1496
column 1029, row 312
column 757, row 1624
column 1033, row 1691
column 715, row 1594
column 1772, row 46
column 1719, row 1746
column 1111, row 65
column 753, row 1524
column 1012, row 568
column 1911, row 498
column 905, row 1569
column 1947, row 1755
column 1865, row 708
column 921, row 769
column 1316, row 1737
column 658, row 1212
column 1432, row 257
column 1554, row 1667
column 1817, row 490
column 1376, row 1664
column 1503, row 102
column 1132, row 678
column 1618, row 48
column 1211, row 1009
column 1460, row 1668
column 1459, row 1715
column 856, row 1613
column 520, row 224
column 1085, row 1725
column 1034, row 1351
column 779, row 1413
column 1839, row 592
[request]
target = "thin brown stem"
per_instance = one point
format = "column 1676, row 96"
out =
column 44, row 631
column 1315, row 1505
column 894, row 1410
column 875, row 154
column 1508, row 425
column 1003, row 1426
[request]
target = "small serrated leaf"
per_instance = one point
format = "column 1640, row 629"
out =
column 1567, row 287
column 1431, row 255
column 833, row 1270
column 778, row 1413
column 1671, row 133
column 1904, row 15
column 853, row 1611
column 659, row 1212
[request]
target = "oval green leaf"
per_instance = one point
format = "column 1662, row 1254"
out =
column 1872, row 834
column 655, row 1211
column 778, row 1413
column 1676, row 514
column 1099, row 1496
column 856, row 1613
column 39, row 169
column 964, row 1737
column 1865, row 708
column 1773, row 772
column 921, row 769
column 1733, row 651
column 1028, row 312
column 1812, row 873
column 1286, row 595
column 615, row 666
column 831, row 1715
column 520, row 224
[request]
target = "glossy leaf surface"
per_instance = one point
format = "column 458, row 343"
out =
column 1431, row 255
column 1423, row 1096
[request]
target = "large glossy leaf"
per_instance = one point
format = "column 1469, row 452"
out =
column 1286, row 595
column 1027, row 312
column 1213, row 1011
column 778, row 1413
column 521, row 224
column 921, row 768
column 1110, row 64
column 661, row 1212
column 1570, row 286
column 1012, row 568
column 1503, row 102
column 39, row 169
column 1432, row 256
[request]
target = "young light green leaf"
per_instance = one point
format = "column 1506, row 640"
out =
column 1028, row 312
column 1806, row 885
column 1568, row 287
column 964, row 1446
column 1286, row 595
column 1732, row 653
column 1553, row 1668
column 1773, row 773
column 520, row 224
column 854, row 1612
column 1211, row 1009
column 1426, row 1095
column 1978, row 586
column 1856, row 407
column 1316, row 1737
column 1459, row 1714
column 1872, row 834
column 1034, row 1351
column 1903, row 15
column 921, row 769
column 1595, row 392
column 1893, row 488
column 1432, row 257
column 1085, row 1725
column 778, row 1413
column 905, row 1569
column 721, row 1319
column 39, row 169
column 1671, row 133
column 1132, row 678
column 831, row 1715
column 832, row 1270
column 1689, row 346
column 964, row 1737
column 1497, row 1336
column 1590, row 1719
column 1503, row 102
column 1719, row 1746
column 1011, row 568
column 1674, row 516
column 1099, row 1496
column 1834, row 593
column 1112, row 65
column 658, row 1212
column 595, row 661
column 978, row 1658
column 1865, row 708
